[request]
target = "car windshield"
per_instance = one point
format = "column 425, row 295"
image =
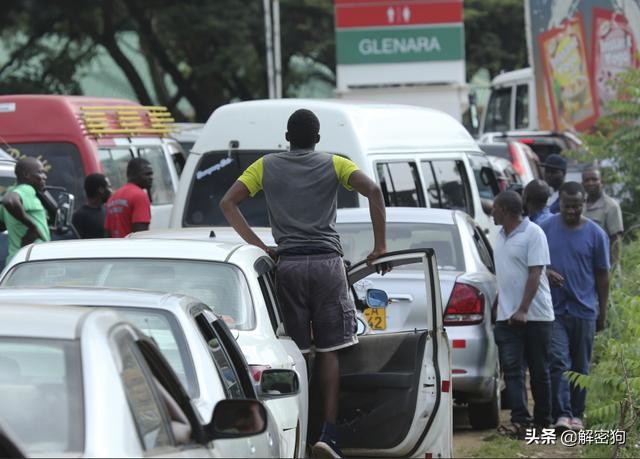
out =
column 221, row 286
column 357, row 241
column 41, row 397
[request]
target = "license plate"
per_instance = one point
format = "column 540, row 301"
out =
column 377, row 318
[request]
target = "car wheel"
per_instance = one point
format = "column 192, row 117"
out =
column 486, row 415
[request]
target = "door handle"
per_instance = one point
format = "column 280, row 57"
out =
column 397, row 297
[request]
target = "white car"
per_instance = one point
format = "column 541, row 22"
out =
column 234, row 280
column 387, row 389
column 78, row 381
column 197, row 345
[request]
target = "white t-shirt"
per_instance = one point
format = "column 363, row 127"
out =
column 526, row 246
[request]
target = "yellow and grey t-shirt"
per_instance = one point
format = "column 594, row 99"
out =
column 301, row 191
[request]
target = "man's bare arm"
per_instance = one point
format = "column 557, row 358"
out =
column 614, row 247
column 530, row 289
column 229, row 203
column 368, row 188
column 13, row 204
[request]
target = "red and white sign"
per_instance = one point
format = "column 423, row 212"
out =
column 350, row 13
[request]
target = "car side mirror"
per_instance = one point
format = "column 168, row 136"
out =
column 237, row 418
column 275, row 383
column 377, row 298
column 64, row 213
column 488, row 178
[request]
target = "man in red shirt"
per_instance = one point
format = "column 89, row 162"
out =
column 129, row 209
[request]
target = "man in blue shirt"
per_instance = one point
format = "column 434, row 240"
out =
column 579, row 277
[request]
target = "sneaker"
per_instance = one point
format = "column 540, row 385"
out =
column 576, row 424
column 563, row 423
column 325, row 448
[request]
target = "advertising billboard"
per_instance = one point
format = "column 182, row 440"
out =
column 576, row 49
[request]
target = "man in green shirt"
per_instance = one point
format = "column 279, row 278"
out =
column 22, row 213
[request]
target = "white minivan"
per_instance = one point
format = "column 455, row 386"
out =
column 420, row 157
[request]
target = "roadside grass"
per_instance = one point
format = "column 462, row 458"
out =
column 497, row 446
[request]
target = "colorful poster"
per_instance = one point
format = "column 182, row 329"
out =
column 614, row 50
column 600, row 38
column 567, row 76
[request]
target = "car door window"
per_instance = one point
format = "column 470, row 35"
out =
column 483, row 247
column 215, row 331
column 268, row 288
column 479, row 162
column 224, row 365
column 400, row 184
column 498, row 111
column 114, row 164
column 522, row 106
column 162, row 189
column 451, row 187
column 150, row 418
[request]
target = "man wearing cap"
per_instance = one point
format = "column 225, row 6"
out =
column 555, row 170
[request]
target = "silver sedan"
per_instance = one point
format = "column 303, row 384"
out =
column 468, row 286
column 85, row 382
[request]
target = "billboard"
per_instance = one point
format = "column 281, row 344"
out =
column 381, row 42
column 576, row 49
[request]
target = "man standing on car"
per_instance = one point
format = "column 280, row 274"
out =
column 22, row 212
column 579, row 277
column 605, row 211
column 555, row 171
column 88, row 220
column 525, row 312
column 300, row 188
column 129, row 208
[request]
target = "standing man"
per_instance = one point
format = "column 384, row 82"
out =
column 604, row 210
column 129, row 209
column 88, row 220
column 535, row 196
column 579, row 277
column 23, row 214
column 555, row 170
column 525, row 312
column 300, row 188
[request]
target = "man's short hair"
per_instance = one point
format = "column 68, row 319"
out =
column 92, row 183
column 303, row 128
column 571, row 188
column 135, row 166
column 510, row 201
column 24, row 165
column 537, row 191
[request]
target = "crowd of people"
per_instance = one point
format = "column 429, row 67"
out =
column 553, row 257
column 105, row 214
column 558, row 245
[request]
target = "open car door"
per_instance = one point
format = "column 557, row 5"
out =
column 395, row 397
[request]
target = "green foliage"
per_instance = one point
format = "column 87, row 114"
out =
column 617, row 138
column 497, row 446
column 613, row 387
column 494, row 35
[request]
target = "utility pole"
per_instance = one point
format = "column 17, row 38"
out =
column 272, row 47
column 277, row 55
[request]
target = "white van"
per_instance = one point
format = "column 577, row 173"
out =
column 421, row 158
column 512, row 103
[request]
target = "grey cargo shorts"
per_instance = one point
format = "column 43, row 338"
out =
column 314, row 295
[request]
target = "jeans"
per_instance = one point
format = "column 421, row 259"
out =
column 571, row 348
column 531, row 343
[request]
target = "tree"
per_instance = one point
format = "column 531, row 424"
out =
column 494, row 35
column 617, row 138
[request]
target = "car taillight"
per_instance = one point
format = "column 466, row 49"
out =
column 515, row 159
column 256, row 371
column 465, row 307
